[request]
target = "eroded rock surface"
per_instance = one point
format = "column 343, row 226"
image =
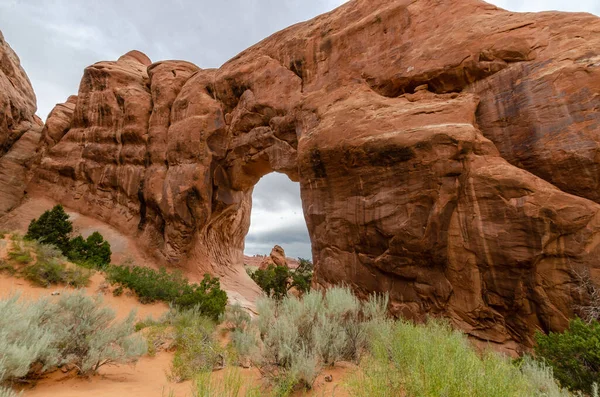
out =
column 448, row 153
column 276, row 258
column 19, row 127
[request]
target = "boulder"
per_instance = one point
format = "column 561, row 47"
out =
column 276, row 258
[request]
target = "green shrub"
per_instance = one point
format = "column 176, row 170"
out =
column 20, row 252
column 434, row 360
column 55, row 228
column 52, row 227
column 574, row 354
column 7, row 267
column 75, row 330
column 151, row 285
column 197, row 350
column 92, row 252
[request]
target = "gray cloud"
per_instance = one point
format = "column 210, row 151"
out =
column 57, row 39
column 277, row 218
column 592, row 6
column 276, row 192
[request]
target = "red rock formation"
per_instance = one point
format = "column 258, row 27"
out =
column 276, row 258
column 447, row 154
column 19, row 127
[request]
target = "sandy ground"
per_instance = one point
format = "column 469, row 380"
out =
column 149, row 377
column 121, row 305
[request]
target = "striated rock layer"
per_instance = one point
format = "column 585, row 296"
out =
column 448, row 153
column 19, row 128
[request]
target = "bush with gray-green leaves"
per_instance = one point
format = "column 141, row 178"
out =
column 75, row 330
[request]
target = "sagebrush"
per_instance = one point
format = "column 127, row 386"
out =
column 76, row 330
column 292, row 339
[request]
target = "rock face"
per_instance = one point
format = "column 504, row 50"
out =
column 19, row 127
column 448, row 153
column 275, row 258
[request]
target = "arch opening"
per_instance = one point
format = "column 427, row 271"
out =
column 277, row 218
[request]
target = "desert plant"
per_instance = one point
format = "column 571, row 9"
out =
column 75, row 330
column 275, row 281
column 237, row 317
column 52, row 227
column 25, row 337
column 89, row 336
column 302, row 276
column 297, row 336
column 197, row 349
column 44, row 264
column 20, row 251
column 151, row 285
column 435, row 360
column 52, row 272
column 574, row 354
column 541, row 378
column 92, row 252
column 231, row 385
column 586, row 286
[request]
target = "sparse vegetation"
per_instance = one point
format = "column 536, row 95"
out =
column 172, row 287
column 43, row 264
column 54, row 228
column 574, row 354
column 295, row 337
column 76, row 330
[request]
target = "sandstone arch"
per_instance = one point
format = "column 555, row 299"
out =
column 458, row 172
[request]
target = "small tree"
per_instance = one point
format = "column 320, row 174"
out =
column 53, row 227
column 574, row 355
column 302, row 276
column 274, row 281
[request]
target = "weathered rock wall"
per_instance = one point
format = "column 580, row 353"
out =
column 19, row 127
column 448, row 153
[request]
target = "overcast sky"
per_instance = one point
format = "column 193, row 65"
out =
column 57, row 39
